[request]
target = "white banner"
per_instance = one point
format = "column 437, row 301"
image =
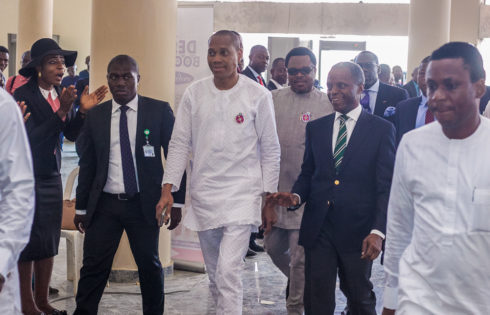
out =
column 194, row 26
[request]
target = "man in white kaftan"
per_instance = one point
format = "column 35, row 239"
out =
column 225, row 125
column 16, row 200
column 438, row 232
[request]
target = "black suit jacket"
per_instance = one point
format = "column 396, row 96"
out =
column 388, row 96
column 406, row 116
column 44, row 128
column 249, row 74
column 157, row 116
column 411, row 89
column 271, row 86
column 358, row 202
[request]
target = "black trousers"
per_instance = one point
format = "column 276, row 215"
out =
column 101, row 241
column 321, row 264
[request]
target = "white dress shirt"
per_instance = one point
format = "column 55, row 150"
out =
column 46, row 93
column 115, row 178
column 255, row 74
column 233, row 162
column 16, row 199
column 373, row 94
column 438, row 232
column 277, row 84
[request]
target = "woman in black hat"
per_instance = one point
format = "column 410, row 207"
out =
column 51, row 112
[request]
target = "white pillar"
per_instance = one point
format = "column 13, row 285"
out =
column 428, row 28
column 35, row 21
column 145, row 30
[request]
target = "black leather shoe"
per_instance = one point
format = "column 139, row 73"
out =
column 250, row 253
column 256, row 248
column 53, row 291
column 287, row 290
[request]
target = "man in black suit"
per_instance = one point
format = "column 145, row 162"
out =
column 377, row 98
column 412, row 86
column 345, row 182
column 119, row 186
column 279, row 75
column 413, row 112
column 259, row 60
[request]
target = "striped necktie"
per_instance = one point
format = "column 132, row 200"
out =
column 341, row 143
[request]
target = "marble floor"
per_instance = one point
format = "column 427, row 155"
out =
column 187, row 293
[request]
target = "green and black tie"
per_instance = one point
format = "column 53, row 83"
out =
column 341, row 143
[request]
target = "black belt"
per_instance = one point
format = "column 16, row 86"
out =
column 122, row 197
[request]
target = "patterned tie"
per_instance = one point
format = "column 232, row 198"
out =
column 365, row 102
column 341, row 143
column 260, row 80
column 429, row 116
column 129, row 173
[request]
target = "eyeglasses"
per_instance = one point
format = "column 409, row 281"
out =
column 304, row 71
column 115, row 77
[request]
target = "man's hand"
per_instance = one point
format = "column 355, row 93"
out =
column 67, row 97
column 162, row 214
column 87, row 101
column 284, row 199
column 269, row 215
column 371, row 246
column 2, row 281
column 23, row 108
column 78, row 220
column 387, row 311
column 175, row 217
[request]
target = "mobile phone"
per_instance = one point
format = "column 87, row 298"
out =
column 162, row 217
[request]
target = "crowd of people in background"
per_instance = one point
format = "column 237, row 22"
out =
column 331, row 181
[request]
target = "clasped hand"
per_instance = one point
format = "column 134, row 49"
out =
column 269, row 215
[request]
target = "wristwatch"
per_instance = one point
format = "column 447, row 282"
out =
column 296, row 207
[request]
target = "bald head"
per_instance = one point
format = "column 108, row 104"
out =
column 259, row 58
column 355, row 70
column 344, row 86
column 234, row 37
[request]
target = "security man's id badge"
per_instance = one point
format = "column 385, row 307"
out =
column 148, row 150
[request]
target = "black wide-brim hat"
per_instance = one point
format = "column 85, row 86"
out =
column 40, row 49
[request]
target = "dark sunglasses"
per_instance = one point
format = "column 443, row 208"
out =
column 304, row 71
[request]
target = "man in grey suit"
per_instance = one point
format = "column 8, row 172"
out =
column 294, row 107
